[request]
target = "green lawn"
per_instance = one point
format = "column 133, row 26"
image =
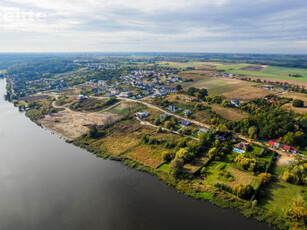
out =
column 165, row 168
column 205, row 195
column 280, row 195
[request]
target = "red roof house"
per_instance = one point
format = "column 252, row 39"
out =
column 286, row 148
column 271, row 143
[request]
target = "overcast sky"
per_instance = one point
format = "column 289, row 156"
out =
column 237, row 26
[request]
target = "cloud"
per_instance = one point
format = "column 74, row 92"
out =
column 158, row 25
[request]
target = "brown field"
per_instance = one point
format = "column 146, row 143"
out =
column 241, row 177
column 33, row 97
column 247, row 93
column 70, row 124
column 289, row 107
column 295, row 95
column 123, row 136
column 230, row 114
column 117, row 144
column 149, row 155
column 192, row 167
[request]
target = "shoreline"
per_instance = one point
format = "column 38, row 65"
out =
column 216, row 196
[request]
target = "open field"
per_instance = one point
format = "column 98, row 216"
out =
column 230, row 88
column 124, row 108
column 241, row 177
column 280, row 196
column 196, row 65
column 149, row 155
column 193, row 166
column 247, row 93
column 295, row 95
column 274, row 72
column 289, row 107
column 34, row 97
column 217, row 85
column 71, row 124
column 230, row 114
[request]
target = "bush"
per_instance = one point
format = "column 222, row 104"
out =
column 166, row 156
column 177, row 163
column 297, row 103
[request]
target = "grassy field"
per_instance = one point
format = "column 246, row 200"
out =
column 230, row 114
column 125, row 108
column 295, row 95
column 230, row 88
column 165, row 168
column 265, row 71
column 289, row 107
column 217, row 85
column 240, row 176
column 197, row 65
column 280, row 195
column 149, row 155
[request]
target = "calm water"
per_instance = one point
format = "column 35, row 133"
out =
column 46, row 183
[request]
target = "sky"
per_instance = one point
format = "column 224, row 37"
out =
column 230, row 26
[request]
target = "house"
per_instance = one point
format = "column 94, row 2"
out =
column 187, row 112
column 190, row 99
column 286, row 148
column 276, row 145
column 142, row 114
column 268, row 87
column 242, row 147
column 184, row 123
column 271, row 143
column 284, row 88
column 235, row 102
column 293, row 150
column 80, row 97
column 172, row 108
column 202, row 130
column 164, row 115
column 126, row 94
column 218, row 137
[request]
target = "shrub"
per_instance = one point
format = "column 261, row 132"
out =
column 297, row 103
column 177, row 163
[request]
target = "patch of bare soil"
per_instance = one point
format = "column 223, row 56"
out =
column 70, row 124
column 284, row 159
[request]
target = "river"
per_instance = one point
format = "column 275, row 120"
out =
column 46, row 183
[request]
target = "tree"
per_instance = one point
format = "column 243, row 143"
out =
column 93, row 132
column 178, row 87
column 166, row 156
column 184, row 154
column 243, row 191
column 159, row 129
column 176, row 163
column 265, row 177
column 298, row 211
column 297, row 103
column 252, row 131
